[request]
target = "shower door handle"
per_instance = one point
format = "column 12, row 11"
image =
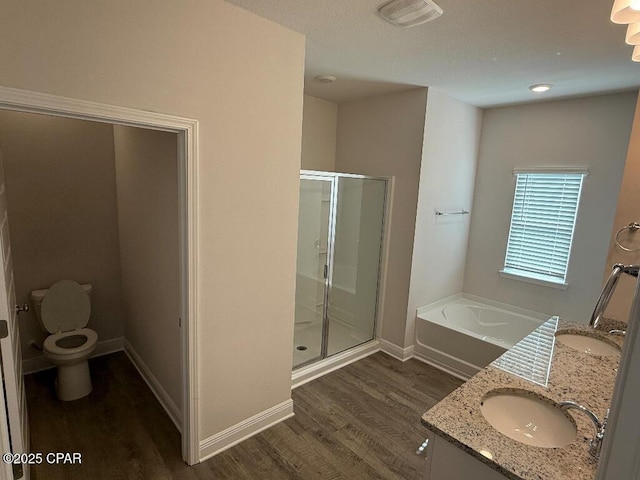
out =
column 326, row 271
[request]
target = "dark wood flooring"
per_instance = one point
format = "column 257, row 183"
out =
column 360, row 422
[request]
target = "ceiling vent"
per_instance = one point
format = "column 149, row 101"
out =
column 409, row 13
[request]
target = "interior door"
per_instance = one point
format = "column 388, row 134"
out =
column 11, row 357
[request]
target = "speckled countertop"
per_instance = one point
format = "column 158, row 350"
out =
column 573, row 375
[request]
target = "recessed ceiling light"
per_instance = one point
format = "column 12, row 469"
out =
column 409, row 13
column 540, row 87
column 326, row 78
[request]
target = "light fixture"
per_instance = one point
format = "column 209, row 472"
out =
column 409, row 13
column 628, row 11
column 326, row 78
column 625, row 11
column 633, row 34
column 540, row 87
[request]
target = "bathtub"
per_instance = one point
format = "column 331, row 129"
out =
column 462, row 334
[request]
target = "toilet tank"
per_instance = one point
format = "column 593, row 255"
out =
column 37, row 296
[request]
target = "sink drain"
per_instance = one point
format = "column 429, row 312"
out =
column 301, row 347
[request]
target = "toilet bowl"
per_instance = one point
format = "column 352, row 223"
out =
column 63, row 310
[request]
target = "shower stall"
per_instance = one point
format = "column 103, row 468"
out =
column 340, row 235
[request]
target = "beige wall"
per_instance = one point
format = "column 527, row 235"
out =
column 382, row 136
column 628, row 211
column 241, row 77
column 60, row 181
column 592, row 132
column 319, row 124
column 147, row 189
column 447, row 176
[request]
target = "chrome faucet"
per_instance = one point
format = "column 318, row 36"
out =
column 620, row 333
column 595, row 444
column 609, row 288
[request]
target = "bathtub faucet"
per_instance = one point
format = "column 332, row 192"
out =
column 595, row 444
column 609, row 288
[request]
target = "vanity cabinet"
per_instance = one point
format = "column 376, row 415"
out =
column 445, row 461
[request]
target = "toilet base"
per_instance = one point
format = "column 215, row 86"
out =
column 73, row 381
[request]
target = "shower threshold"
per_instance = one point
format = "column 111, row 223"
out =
column 302, row 375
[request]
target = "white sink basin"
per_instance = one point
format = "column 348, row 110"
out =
column 528, row 419
column 587, row 344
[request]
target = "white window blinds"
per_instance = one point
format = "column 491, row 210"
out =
column 544, row 212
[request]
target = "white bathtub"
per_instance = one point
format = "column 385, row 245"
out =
column 462, row 334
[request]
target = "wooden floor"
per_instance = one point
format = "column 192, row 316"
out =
column 360, row 422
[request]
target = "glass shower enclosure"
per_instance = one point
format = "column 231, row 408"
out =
column 340, row 235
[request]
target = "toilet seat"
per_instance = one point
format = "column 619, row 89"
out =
column 51, row 347
column 65, row 307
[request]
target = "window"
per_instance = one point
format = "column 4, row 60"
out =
column 543, row 217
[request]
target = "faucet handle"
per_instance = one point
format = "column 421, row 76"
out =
column 595, row 445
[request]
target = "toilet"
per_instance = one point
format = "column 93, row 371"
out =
column 63, row 310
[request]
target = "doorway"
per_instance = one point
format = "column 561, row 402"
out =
column 186, row 140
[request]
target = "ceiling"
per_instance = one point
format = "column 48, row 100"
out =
column 485, row 53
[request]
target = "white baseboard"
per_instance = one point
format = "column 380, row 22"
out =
column 39, row 363
column 158, row 390
column 335, row 362
column 393, row 350
column 245, row 429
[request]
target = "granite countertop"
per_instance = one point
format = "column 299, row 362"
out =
column 586, row 379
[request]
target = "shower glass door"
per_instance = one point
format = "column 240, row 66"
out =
column 355, row 262
column 313, row 252
column 340, row 234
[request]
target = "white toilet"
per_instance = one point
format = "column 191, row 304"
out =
column 63, row 310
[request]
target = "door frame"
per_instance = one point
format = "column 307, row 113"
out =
column 187, row 131
column 620, row 457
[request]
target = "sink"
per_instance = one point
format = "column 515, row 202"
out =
column 586, row 343
column 528, row 418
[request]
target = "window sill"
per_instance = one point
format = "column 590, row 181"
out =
column 535, row 281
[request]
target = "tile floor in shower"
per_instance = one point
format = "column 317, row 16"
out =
column 307, row 338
